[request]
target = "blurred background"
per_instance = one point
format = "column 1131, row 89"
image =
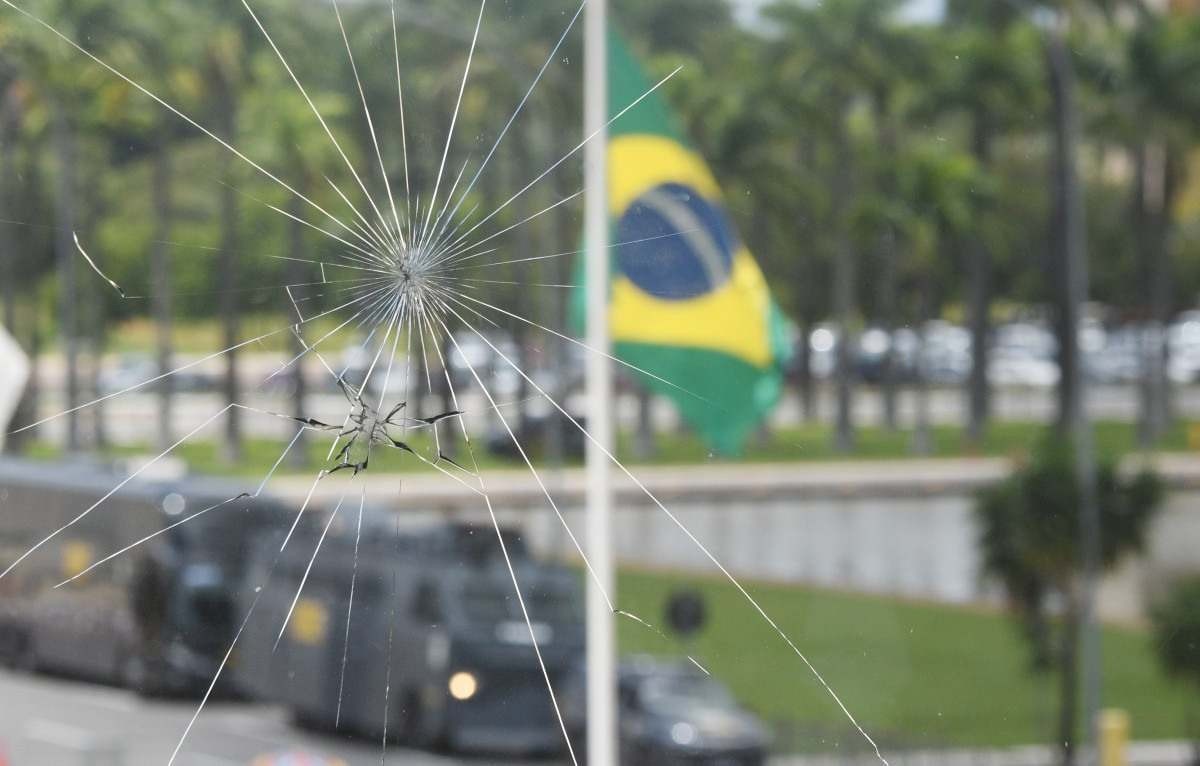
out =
column 966, row 483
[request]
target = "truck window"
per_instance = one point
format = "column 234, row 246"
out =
column 426, row 605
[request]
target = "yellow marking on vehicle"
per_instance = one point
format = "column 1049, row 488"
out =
column 76, row 557
column 309, row 623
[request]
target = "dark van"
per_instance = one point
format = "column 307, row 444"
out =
column 158, row 617
column 435, row 630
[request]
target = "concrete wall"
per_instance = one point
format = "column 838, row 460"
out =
column 898, row 528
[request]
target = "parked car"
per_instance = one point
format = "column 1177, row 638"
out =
column 1014, row 367
column 945, row 357
column 874, row 346
column 134, row 370
column 1117, row 361
column 1023, row 354
column 535, row 435
column 469, row 356
column 669, row 712
column 822, row 344
column 1183, row 343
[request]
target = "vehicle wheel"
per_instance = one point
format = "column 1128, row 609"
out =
column 408, row 719
column 131, row 673
column 415, row 728
column 650, row 755
column 306, row 719
column 10, row 646
column 135, row 674
column 26, row 657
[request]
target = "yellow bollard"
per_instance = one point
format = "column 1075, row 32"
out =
column 1113, row 725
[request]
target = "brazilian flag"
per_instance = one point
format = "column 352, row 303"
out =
column 687, row 301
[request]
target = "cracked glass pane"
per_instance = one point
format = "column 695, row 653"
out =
column 706, row 381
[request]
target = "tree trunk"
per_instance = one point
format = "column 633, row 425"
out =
column 887, row 305
column 922, row 441
column 1152, row 193
column 1160, row 290
column 521, row 332
column 979, row 310
column 27, row 408
column 805, row 159
column 65, row 191
column 97, row 333
column 160, row 267
column 8, row 249
column 296, row 273
column 9, row 117
column 449, row 435
column 20, row 241
column 843, row 296
column 1146, row 345
column 228, row 278
column 644, row 447
column 559, row 238
column 887, row 138
column 804, row 374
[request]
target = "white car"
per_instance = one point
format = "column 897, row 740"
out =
column 1010, row 367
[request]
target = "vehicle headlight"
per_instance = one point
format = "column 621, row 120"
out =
column 463, row 685
column 683, row 733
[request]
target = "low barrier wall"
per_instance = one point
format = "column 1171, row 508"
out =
column 903, row 528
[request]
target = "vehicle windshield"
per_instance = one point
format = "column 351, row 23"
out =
column 486, row 603
column 489, row 603
column 669, row 694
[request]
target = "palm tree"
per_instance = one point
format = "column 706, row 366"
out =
column 994, row 83
column 69, row 94
column 1163, row 110
column 819, row 52
column 297, row 142
column 28, row 252
column 223, row 63
column 892, row 59
column 1029, row 540
column 168, row 57
column 10, row 116
column 940, row 190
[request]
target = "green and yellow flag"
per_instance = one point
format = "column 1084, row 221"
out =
column 687, row 301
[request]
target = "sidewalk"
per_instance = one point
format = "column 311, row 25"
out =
column 741, row 481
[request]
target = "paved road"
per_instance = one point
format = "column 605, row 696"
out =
column 131, row 418
column 48, row 721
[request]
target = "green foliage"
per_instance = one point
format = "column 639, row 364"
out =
column 820, row 94
column 1177, row 630
column 1030, row 535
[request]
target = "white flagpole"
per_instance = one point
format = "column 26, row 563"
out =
column 601, row 640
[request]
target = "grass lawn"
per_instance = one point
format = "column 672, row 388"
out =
column 202, row 336
column 809, row 442
column 204, row 456
column 815, row 442
column 913, row 674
